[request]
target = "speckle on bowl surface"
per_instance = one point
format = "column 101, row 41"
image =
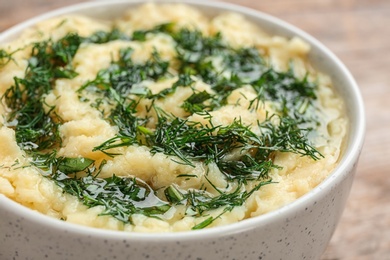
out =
column 300, row 230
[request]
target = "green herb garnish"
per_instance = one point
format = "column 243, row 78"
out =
column 123, row 85
column 120, row 197
column 35, row 124
column 123, row 74
column 5, row 57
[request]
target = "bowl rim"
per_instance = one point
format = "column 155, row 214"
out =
column 344, row 167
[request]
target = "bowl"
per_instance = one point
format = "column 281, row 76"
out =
column 299, row 230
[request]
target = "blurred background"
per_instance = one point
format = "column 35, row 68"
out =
column 358, row 32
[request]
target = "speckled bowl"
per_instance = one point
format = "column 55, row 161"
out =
column 300, row 230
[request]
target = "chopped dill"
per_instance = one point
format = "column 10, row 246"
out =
column 123, row 74
column 101, row 37
column 140, row 35
column 123, row 85
column 120, row 197
column 196, row 102
column 6, row 57
column 35, row 127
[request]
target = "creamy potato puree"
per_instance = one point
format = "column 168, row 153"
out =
column 84, row 125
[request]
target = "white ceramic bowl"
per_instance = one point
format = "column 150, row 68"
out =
column 300, row 230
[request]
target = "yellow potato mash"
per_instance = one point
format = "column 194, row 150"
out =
column 162, row 120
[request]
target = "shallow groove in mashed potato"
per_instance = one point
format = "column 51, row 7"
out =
column 162, row 121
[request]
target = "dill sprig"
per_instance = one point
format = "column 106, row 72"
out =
column 140, row 35
column 35, row 128
column 120, row 197
column 101, row 37
column 196, row 102
column 295, row 97
column 234, row 68
column 200, row 202
column 287, row 136
column 131, row 129
column 124, row 73
column 6, row 57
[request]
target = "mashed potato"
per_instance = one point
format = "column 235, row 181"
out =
column 162, row 120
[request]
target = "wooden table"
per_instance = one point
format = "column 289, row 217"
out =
column 358, row 32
